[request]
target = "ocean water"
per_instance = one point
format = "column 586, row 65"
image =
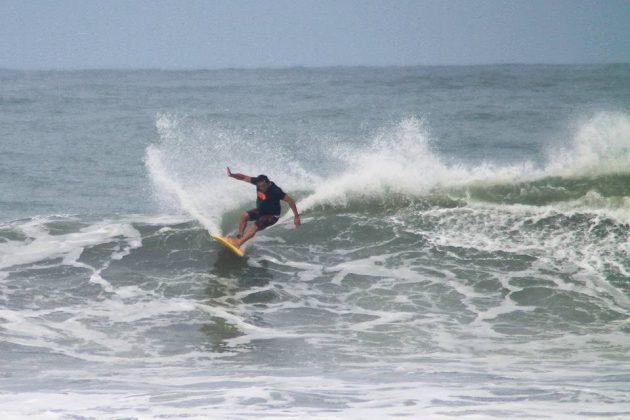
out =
column 464, row 251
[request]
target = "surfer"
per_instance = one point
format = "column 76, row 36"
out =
column 267, row 211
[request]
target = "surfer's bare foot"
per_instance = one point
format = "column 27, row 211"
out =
column 234, row 242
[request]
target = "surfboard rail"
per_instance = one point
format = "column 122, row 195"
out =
column 223, row 240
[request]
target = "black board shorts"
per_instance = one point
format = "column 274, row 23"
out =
column 262, row 220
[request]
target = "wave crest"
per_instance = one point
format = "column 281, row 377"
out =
column 594, row 162
column 399, row 165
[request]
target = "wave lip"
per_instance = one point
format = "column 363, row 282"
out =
column 591, row 170
column 600, row 145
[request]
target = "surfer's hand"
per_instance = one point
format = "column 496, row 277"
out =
column 229, row 172
column 297, row 220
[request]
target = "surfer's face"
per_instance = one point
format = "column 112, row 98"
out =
column 263, row 186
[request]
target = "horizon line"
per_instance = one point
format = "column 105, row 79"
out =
column 294, row 67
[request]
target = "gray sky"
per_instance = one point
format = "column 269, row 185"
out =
column 187, row 34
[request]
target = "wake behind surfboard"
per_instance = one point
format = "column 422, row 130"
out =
column 223, row 240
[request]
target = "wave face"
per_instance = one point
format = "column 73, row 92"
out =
column 464, row 248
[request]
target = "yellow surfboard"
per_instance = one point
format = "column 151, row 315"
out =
column 228, row 245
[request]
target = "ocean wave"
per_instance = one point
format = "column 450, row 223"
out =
column 398, row 167
column 401, row 167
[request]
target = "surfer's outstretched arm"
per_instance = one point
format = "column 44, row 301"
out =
column 240, row 177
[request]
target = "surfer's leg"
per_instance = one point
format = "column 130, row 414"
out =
column 249, row 235
column 262, row 222
column 243, row 223
column 247, row 216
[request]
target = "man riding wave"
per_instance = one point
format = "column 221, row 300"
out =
column 267, row 211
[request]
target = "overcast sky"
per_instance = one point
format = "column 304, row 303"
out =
column 187, row 34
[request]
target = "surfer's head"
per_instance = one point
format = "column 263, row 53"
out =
column 262, row 182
